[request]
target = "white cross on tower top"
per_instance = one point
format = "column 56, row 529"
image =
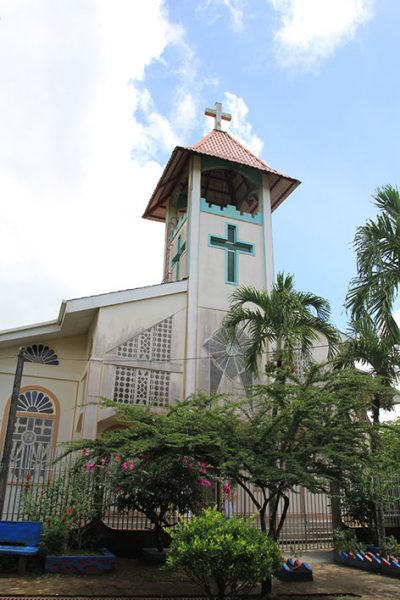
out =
column 218, row 115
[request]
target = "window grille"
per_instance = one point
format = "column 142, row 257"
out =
column 33, row 433
column 141, row 386
column 152, row 344
column 37, row 353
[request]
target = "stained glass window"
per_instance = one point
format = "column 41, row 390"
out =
column 38, row 353
column 33, row 433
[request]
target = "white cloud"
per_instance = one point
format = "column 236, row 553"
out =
column 210, row 10
column 239, row 127
column 82, row 146
column 76, row 107
column 236, row 9
column 312, row 30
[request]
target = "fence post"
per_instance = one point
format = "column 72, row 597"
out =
column 6, row 457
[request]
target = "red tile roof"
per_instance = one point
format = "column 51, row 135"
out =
column 222, row 145
column 219, row 144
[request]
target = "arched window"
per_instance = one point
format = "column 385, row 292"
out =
column 35, row 431
column 43, row 355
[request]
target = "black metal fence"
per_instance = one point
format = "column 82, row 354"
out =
column 308, row 523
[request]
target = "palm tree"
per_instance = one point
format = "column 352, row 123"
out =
column 286, row 319
column 377, row 245
column 378, row 354
column 381, row 358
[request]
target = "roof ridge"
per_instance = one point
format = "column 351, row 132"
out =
column 247, row 150
column 217, row 132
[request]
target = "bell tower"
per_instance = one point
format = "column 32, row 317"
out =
column 216, row 199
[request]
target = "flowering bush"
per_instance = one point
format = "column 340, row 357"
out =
column 160, row 487
column 223, row 555
column 65, row 505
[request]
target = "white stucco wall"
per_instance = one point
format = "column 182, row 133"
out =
column 214, row 292
column 63, row 380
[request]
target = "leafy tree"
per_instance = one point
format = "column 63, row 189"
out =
column 378, row 355
column 286, row 319
column 390, row 446
column 381, row 358
column 149, row 466
column 377, row 243
column 359, row 497
column 307, row 433
column 160, row 487
column 223, row 554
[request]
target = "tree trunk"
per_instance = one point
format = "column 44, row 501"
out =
column 263, row 523
column 336, row 511
column 283, row 516
column 376, row 478
column 272, row 520
column 266, row 585
column 266, row 588
column 158, row 534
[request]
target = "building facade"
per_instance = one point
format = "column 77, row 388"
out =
column 161, row 343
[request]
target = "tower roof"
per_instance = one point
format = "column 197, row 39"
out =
column 218, row 144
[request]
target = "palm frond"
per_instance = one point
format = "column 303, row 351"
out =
column 377, row 246
column 286, row 319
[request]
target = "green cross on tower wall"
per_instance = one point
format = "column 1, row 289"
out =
column 176, row 260
column 232, row 247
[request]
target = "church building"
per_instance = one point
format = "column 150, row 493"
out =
column 155, row 344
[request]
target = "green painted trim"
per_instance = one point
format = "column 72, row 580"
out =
column 178, row 227
column 264, row 244
column 189, row 213
column 176, row 260
column 230, row 212
column 210, row 162
column 221, row 244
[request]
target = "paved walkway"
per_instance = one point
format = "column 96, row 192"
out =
column 132, row 578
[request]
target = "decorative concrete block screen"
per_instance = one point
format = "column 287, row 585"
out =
column 141, row 386
column 152, row 344
column 135, row 385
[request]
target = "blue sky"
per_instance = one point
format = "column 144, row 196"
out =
column 96, row 94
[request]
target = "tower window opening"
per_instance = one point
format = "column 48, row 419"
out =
column 226, row 187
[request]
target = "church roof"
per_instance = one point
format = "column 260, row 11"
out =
column 76, row 315
column 219, row 144
column 222, row 145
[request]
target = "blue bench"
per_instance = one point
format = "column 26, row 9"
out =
column 20, row 538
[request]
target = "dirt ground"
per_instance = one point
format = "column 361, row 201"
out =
column 132, row 578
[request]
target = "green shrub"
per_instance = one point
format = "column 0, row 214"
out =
column 65, row 505
column 346, row 540
column 223, row 554
column 54, row 539
column 393, row 546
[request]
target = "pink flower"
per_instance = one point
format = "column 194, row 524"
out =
column 226, row 488
column 204, row 482
column 103, row 461
column 28, row 477
column 202, row 467
column 69, row 511
column 125, row 466
column 118, row 458
column 90, row 466
column 85, row 451
column 187, row 463
column 131, row 465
